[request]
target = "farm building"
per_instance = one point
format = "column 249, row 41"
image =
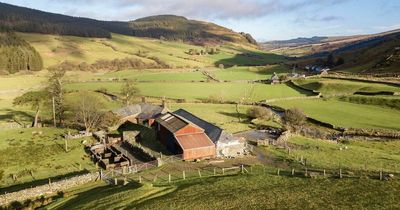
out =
column 274, row 79
column 142, row 113
column 186, row 134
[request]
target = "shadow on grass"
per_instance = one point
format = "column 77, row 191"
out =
column 251, row 58
column 39, row 182
column 98, row 193
column 243, row 117
column 11, row 114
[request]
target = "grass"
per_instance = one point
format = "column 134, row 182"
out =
column 346, row 114
column 343, row 87
column 359, row 155
column 26, row 150
column 250, row 73
column 257, row 191
column 56, row 49
column 198, row 91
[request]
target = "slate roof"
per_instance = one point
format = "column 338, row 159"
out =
column 143, row 111
column 212, row 131
column 172, row 122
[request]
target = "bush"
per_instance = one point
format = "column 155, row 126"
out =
column 258, row 112
column 294, row 116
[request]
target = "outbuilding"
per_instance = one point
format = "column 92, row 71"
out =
column 180, row 136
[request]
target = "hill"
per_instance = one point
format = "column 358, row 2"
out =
column 318, row 44
column 173, row 27
column 17, row 54
column 170, row 27
column 376, row 54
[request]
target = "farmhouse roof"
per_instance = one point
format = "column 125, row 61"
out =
column 142, row 111
column 194, row 141
column 212, row 131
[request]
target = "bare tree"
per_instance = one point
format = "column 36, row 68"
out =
column 87, row 111
column 129, row 91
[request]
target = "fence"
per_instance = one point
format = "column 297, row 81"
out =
column 162, row 178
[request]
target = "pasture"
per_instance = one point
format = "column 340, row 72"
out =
column 199, row 91
column 330, row 87
column 258, row 191
column 350, row 155
column 346, row 114
column 39, row 153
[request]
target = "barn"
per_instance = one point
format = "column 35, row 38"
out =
column 142, row 113
column 181, row 136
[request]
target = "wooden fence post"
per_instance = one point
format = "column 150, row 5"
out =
column 125, row 181
column 324, row 173
column 292, row 171
column 49, row 182
column 215, row 172
column 380, row 175
column 199, row 173
column 306, row 174
column 340, row 173
column 115, row 181
column 140, row 179
column 169, row 178
column 183, row 175
column 223, row 171
column 278, row 172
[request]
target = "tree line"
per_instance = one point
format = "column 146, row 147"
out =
column 17, row 54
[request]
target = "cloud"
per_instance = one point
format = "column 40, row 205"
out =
column 202, row 9
column 317, row 18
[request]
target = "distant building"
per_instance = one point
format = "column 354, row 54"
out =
column 274, row 79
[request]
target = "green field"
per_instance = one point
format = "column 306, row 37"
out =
column 346, row 114
column 33, row 156
column 352, row 155
column 56, row 49
column 343, row 87
column 198, row 91
column 239, row 192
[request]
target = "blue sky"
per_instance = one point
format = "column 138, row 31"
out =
column 264, row 19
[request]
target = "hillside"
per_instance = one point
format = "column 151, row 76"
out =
column 318, row 44
column 17, row 54
column 179, row 28
column 170, row 27
column 379, row 54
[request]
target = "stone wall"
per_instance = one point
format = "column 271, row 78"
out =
column 48, row 189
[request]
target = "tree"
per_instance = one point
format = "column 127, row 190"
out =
column 34, row 99
column 330, row 60
column 56, row 92
column 339, row 61
column 87, row 111
column 258, row 112
column 294, row 116
column 129, row 91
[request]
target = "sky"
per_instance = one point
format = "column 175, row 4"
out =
column 264, row 19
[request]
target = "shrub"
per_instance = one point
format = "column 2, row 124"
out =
column 258, row 112
column 294, row 116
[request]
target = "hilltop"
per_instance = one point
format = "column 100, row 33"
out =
column 168, row 27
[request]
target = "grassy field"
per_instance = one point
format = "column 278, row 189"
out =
column 34, row 154
column 342, row 87
column 346, row 114
column 352, row 155
column 256, row 191
column 56, row 49
column 198, row 91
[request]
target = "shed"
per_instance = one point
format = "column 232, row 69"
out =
column 142, row 113
column 181, row 136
